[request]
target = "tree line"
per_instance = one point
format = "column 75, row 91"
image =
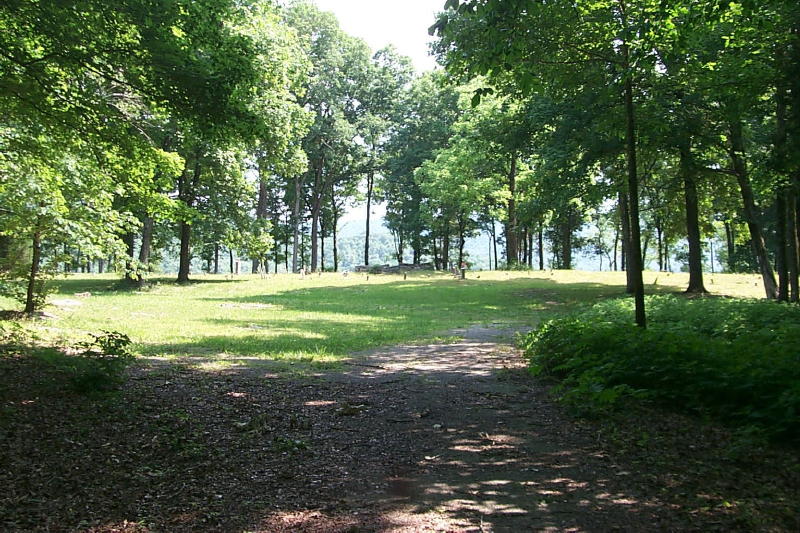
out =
column 225, row 129
column 676, row 113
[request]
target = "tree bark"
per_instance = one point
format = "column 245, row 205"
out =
column 216, row 258
column 731, row 245
column 660, row 244
column 511, row 224
column 635, row 255
column 781, row 264
column 540, row 236
column 435, row 252
column 446, row 246
column 783, row 191
column 261, row 206
column 370, row 184
column 566, row 239
column 316, row 209
column 625, row 241
column 188, row 197
column 5, row 242
column 793, row 258
column 530, row 249
column 334, row 230
column 129, row 240
column 298, row 190
column 185, row 250
column 30, row 297
column 146, row 246
column 748, row 199
column 494, row 245
column 322, row 244
column 696, row 285
column 462, row 229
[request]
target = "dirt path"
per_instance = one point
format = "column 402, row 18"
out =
column 489, row 451
column 439, row 437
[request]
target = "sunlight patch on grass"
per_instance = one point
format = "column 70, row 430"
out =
column 324, row 318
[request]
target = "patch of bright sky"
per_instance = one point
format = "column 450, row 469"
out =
column 403, row 23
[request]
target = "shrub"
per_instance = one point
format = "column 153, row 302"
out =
column 735, row 360
column 102, row 363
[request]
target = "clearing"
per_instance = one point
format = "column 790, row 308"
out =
column 348, row 405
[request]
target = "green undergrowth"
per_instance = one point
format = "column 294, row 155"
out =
column 733, row 360
column 90, row 367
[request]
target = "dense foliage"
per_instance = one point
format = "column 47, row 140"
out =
column 735, row 360
column 640, row 133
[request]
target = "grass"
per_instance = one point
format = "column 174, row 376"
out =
column 321, row 320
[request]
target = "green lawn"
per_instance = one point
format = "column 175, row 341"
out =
column 323, row 319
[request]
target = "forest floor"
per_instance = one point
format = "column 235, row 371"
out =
column 451, row 435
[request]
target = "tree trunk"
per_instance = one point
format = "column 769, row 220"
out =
column 626, row 239
column 566, row 239
column 185, row 258
column 530, row 249
column 286, row 254
column 462, row 229
column 793, row 261
column 130, row 242
column 261, row 206
column 30, row 297
column 303, row 249
column 692, row 223
column 216, row 258
column 659, row 244
column 748, row 199
column 322, row 244
column 298, row 190
column 782, row 192
column 5, row 242
column 540, row 236
column 187, row 194
column 780, row 253
column 511, row 223
column 435, row 252
column 316, row 209
column 635, row 255
column 146, row 246
column 147, row 241
column 446, row 246
column 489, row 233
column 494, row 245
column 370, row 184
column 731, row 244
column 230, row 257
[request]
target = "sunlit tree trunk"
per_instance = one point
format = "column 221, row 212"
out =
column 748, row 199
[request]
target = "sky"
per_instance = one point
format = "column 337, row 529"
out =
column 403, row 23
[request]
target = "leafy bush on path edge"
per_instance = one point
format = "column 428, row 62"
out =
column 734, row 360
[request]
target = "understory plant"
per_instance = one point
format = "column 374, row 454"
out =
column 100, row 366
column 733, row 360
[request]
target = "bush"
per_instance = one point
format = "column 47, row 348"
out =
column 102, row 363
column 734, row 360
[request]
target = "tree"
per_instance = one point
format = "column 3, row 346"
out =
column 428, row 112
